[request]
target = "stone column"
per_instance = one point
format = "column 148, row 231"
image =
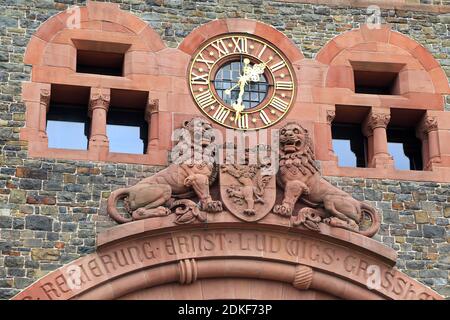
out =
column 428, row 133
column 98, row 107
column 375, row 129
column 151, row 116
column 330, row 117
column 44, row 105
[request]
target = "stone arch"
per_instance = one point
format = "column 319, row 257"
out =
column 99, row 27
column 217, row 27
column 149, row 258
column 422, row 72
column 94, row 17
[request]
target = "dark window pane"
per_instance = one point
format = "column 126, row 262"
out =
column 95, row 62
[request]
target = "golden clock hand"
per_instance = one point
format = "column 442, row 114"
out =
column 238, row 107
column 228, row 91
column 245, row 76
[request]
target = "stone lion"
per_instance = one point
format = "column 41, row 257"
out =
column 300, row 178
column 152, row 196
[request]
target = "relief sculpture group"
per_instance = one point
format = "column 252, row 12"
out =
column 247, row 191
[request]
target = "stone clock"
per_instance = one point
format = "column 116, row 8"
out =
column 242, row 82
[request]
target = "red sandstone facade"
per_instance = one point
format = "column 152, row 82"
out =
column 324, row 83
column 333, row 264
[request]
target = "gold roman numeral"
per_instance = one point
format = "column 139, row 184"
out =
column 199, row 79
column 209, row 63
column 205, row 99
column 279, row 104
column 264, row 117
column 240, row 44
column 243, row 121
column 262, row 51
column 221, row 114
column 221, row 47
column 284, row 85
column 277, row 66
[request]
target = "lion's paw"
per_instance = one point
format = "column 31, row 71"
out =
column 249, row 212
column 306, row 191
column 213, row 206
column 283, row 210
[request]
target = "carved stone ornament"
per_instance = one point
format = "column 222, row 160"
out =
column 301, row 180
column 99, row 100
column 378, row 120
column 429, row 124
column 248, row 190
column 156, row 196
column 45, row 98
column 152, row 107
column 330, row 116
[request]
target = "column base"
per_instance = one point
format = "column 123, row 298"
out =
column 98, row 149
column 382, row 162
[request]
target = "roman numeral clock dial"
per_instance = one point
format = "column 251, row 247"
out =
column 242, row 82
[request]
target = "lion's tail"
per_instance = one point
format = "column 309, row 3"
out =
column 374, row 216
column 112, row 205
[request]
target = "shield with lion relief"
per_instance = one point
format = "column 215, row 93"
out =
column 248, row 190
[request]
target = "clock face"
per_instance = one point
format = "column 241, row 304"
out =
column 242, row 82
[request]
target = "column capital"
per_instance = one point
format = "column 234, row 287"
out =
column 152, row 107
column 330, row 116
column 375, row 120
column 100, row 98
column 45, row 98
column 428, row 124
column 378, row 120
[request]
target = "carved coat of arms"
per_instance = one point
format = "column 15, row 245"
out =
column 248, row 191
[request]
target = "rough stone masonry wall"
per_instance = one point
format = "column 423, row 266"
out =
column 50, row 210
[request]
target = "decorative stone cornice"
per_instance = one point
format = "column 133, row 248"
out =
column 303, row 277
column 99, row 100
column 330, row 116
column 188, row 271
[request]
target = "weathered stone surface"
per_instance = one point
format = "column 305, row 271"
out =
column 23, row 172
column 45, row 254
column 6, row 293
column 433, row 231
column 17, row 196
column 14, row 262
column 35, row 222
column 5, row 222
column 421, row 217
